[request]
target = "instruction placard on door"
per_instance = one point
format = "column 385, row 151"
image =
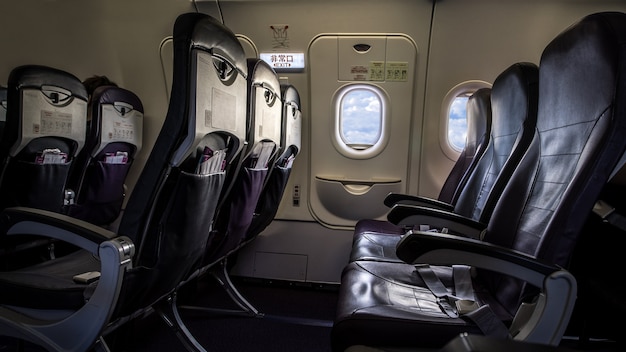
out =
column 393, row 71
column 377, row 71
column 397, row 71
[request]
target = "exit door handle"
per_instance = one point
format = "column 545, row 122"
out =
column 357, row 186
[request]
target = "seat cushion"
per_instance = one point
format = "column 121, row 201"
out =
column 52, row 279
column 383, row 304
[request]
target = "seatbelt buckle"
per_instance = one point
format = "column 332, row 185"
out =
column 602, row 209
column 464, row 306
column 447, row 307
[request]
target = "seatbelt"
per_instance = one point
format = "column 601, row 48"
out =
column 434, row 284
column 463, row 303
column 488, row 322
column 463, row 287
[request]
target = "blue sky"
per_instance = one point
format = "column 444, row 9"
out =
column 360, row 117
column 457, row 125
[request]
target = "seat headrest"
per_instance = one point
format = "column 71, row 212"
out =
column 292, row 118
column 44, row 102
column 479, row 118
column 116, row 116
column 265, row 102
column 514, row 99
column 206, row 32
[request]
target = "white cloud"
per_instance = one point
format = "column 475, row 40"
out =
column 457, row 123
column 360, row 117
column 458, row 108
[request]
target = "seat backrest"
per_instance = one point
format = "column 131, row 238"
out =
column 478, row 127
column 44, row 130
column 114, row 136
column 290, row 141
column 578, row 142
column 264, row 135
column 169, row 212
column 3, row 109
column 514, row 115
column 291, row 136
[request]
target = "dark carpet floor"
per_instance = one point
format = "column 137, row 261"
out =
column 295, row 318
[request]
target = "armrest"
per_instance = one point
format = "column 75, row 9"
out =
column 543, row 321
column 30, row 221
column 406, row 215
column 396, row 198
column 75, row 331
column 447, row 249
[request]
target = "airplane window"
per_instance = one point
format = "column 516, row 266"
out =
column 360, row 120
column 457, row 121
column 453, row 128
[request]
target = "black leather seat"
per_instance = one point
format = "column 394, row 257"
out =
column 478, row 137
column 290, row 142
column 513, row 118
column 518, row 264
column 164, row 230
column 478, row 134
column 114, row 136
column 236, row 210
column 263, row 135
column 44, row 130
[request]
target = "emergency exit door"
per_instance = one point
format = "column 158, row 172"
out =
column 357, row 159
